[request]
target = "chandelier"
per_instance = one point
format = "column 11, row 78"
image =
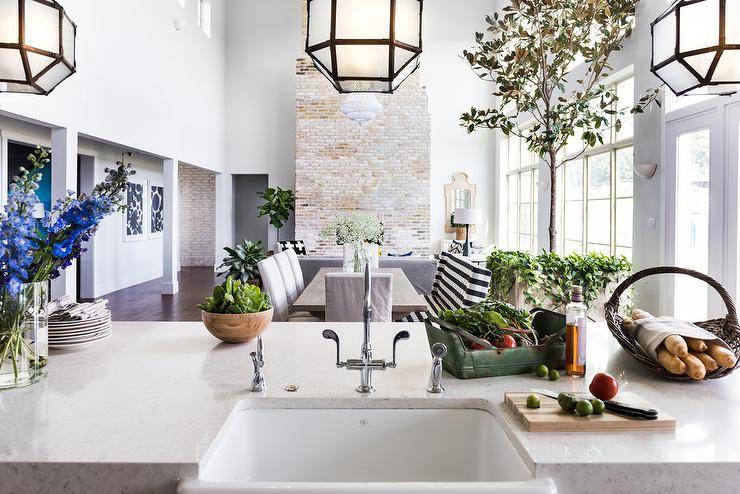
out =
column 368, row 46
column 37, row 46
column 696, row 47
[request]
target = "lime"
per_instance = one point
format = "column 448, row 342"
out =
column 584, row 408
column 567, row 401
column 533, row 401
column 553, row 375
column 598, row 405
column 541, row 370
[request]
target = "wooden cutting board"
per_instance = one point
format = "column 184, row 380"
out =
column 551, row 418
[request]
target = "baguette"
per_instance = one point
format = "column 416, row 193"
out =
column 709, row 363
column 696, row 345
column 694, row 368
column 676, row 345
column 670, row 362
column 722, row 355
column 641, row 314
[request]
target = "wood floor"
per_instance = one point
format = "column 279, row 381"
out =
column 145, row 302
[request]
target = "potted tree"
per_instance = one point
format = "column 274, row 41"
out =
column 279, row 204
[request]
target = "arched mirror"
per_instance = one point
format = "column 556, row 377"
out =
column 459, row 194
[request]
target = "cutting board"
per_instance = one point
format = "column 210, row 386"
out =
column 551, row 418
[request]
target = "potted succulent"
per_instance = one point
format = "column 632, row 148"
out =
column 459, row 229
column 242, row 262
column 237, row 312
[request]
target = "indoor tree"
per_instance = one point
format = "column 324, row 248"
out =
column 549, row 61
column 279, row 204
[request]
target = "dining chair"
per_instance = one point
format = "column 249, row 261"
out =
column 286, row 271
column 297, row 272
column 272, row 281
column 459, row 283
column 345, row 297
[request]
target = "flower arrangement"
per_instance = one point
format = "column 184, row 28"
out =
column 355, row 228
column 35, row 249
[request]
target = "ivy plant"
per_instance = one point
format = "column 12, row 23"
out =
column 278, row 206
column 530, row 54
column 549, row 277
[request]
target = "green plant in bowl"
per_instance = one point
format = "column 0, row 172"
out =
column 237, row 312
column 242, row 261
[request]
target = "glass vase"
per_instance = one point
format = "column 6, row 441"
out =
column 24, row 335
column 354, row 258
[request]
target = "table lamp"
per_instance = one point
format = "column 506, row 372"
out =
column 468, row 217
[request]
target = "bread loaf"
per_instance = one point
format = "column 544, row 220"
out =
column 694, row 368
column 676, row 345
column 696, row 345
column 670, row 362
column 722, row 355
column 709, row 363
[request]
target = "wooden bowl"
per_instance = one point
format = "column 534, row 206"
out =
column 237, row 328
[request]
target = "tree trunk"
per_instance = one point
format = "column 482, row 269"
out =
column 553, row 201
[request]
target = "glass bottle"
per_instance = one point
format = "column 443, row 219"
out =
column 575, row 334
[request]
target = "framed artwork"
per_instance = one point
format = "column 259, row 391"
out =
column 156, row 210
column 134, row 222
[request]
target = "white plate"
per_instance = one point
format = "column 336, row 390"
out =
column 78, row 343
column 75, row 322
column 73, row 339
column 85, row 329
column 91, row 324
column 79, row 334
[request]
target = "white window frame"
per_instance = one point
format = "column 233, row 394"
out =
column 533, row 169
column 203, row 13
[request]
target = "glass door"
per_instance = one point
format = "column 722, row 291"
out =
column 695, row 226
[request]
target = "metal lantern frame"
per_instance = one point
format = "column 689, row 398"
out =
column 31, row 81
column 332, row 73
column 680, row 56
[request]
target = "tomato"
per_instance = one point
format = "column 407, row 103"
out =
column 475, row 346
column 604, row 386
column 506, row 341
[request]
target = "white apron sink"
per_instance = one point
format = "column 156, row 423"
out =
column 389, row 451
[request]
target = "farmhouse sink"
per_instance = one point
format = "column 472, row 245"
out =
column 389, row 451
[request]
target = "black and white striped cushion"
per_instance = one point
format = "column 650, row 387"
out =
column 459, row 283
column 298, row 246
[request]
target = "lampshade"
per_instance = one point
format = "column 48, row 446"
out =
column 361, row 107
column 468, row 216
column 37, row 46
column 696, row 47
column 369, row 46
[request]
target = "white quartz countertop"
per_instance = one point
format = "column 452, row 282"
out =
column 147, row 402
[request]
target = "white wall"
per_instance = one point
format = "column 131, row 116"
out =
column 263, row 42
column 140, row 82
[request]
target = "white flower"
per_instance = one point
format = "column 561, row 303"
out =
column 354, row 228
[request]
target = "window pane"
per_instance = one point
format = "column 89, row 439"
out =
column 512, row 192
column 524, row 218
column 623, row 251
column 574, row 180
column 624, row 222
column 513, row 153
column 525, row 187
column 625, row 172
column 534, row 244
column 513, row 217
column 602, row 248
column 573, row 228
column 571, row 246
column 524, row 242
column 626, row 95
column 599, row 176
column 512, row 241
column 692, row 223
column 527, row 158
column 599, row 223
column 575, row 143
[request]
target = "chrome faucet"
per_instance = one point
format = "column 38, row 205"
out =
column 366, row 364
column 258, row 360
column 439, row 350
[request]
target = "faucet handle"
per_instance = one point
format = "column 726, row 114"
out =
column 260, row 352
column 331, row 335
column 401, row 336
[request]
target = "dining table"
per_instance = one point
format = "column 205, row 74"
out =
column 405, row 298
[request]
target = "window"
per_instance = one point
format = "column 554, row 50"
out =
column 595, row 193
column 204, row 16
column 521, row 192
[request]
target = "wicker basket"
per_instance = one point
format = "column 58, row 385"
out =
column 727, row 328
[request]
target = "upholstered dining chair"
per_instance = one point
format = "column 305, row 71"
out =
column 345, row 297
column 295, row 264
column 272, row 282
column 286, row 271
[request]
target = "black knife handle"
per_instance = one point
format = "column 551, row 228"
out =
column 625, row 406
column 630, row 412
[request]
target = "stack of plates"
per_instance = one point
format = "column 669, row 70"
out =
column 66, row 331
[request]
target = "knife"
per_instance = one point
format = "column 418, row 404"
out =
column 613, row 406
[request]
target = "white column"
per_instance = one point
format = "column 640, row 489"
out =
column 224, row 215
column 63, row 178
column 171, row 249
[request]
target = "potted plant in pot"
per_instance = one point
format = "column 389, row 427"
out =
column 279, row 204
column 35, row 248
column 237, row 312
column 242, row 262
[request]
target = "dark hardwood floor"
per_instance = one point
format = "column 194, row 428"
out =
column 145, row 302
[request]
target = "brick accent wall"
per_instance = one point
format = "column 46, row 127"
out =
column 197, row 216
column 382, row 167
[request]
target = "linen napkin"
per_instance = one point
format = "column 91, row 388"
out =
column 651, row 332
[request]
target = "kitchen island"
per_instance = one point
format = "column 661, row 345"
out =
column 137, row 412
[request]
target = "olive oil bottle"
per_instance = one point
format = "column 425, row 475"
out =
column 575, row 334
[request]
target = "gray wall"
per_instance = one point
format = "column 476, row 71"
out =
column 246, row 202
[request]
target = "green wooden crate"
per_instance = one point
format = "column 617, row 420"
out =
column 468, row 364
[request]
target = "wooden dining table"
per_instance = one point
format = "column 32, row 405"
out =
column 405, row 297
